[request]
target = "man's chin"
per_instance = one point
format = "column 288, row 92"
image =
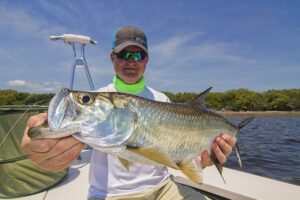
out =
column 131, row 79
column 131, row 71
column 131, row 74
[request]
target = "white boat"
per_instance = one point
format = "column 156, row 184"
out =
column 239, row 185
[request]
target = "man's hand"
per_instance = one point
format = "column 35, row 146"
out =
column 50, row 154
column 222, row 147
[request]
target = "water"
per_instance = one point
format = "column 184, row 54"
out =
column 270, row 147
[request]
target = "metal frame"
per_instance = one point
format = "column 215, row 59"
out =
column 79, row 62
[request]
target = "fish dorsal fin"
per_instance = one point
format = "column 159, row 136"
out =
column 200, row 99
column 125, row 163
column 245, row 122
column 155, row 155
column 192, row 171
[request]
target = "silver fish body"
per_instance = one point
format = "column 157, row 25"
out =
column 136, row 129
column 181, row 130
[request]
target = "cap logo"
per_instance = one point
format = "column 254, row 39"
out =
column 141, row 41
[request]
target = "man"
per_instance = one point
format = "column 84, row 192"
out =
column 108, row 178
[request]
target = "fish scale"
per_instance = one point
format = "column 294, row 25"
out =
column 160, row 122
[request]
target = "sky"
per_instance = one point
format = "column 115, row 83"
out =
column 193, row 44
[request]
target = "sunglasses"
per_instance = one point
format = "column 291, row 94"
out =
column 127, row 55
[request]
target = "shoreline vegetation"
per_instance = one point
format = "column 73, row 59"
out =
column 260, row 113
column 232, row 102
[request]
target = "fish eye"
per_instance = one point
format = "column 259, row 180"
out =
column 85, row 99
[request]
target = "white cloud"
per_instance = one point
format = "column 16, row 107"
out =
column 186, row 48
column 63, row 9
column 173, row 45
column 17, row 20
column 20, row 22
column 36, row 87
column 16, row 82
column 180, row 54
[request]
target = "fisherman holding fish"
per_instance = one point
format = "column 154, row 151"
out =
column 108, row 177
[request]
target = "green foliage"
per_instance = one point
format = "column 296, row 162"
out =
column 12, row 97
column 7, row 97
column 282, row 99
column 214, row 100
column 246, row 100
column 243, row 100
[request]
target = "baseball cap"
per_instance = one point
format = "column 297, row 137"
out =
column 127, row 36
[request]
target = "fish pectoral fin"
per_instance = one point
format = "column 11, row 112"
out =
column 155, row 155
column 125, row 163
column 218, row 165
column 38, row 132
column 192, row 171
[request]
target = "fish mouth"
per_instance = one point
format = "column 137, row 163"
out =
column 60, row 109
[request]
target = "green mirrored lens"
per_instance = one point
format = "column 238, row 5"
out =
column 136, row 56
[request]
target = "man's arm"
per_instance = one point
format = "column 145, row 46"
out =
column 50, row 154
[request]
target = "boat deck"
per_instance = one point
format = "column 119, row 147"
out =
column 239, row 185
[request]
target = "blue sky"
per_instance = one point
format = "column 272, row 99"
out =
column 192, row 44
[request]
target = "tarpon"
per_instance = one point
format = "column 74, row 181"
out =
column 136, row 129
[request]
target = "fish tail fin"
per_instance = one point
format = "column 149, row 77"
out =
column 245, row 122
column 218, row 165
